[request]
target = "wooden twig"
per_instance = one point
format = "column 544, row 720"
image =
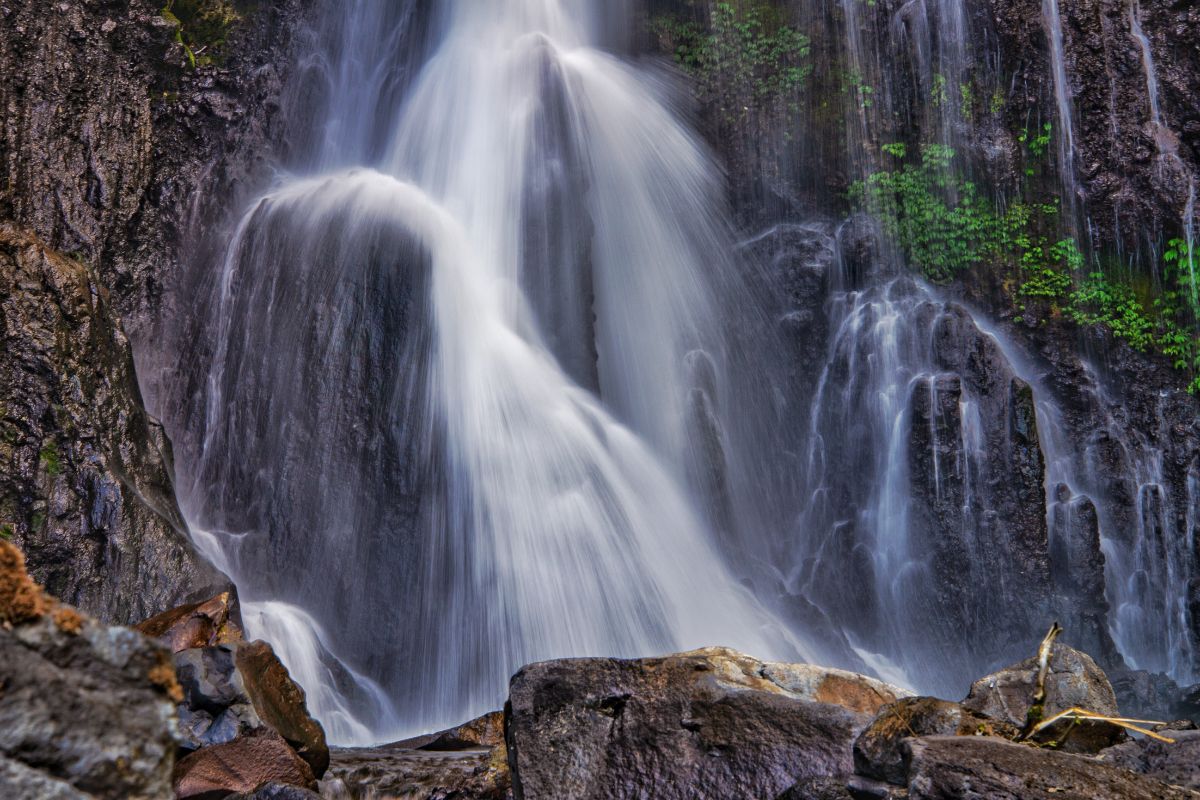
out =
column 1038, row 709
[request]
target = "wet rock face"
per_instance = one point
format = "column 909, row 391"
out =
column 712, row 723
column 112, row 145
column 87, row 710
column 85, row 483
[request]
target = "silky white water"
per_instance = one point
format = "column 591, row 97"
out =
column 459, row 380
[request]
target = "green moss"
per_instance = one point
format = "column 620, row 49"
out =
column 202, row 27
column 49, row 459
column 7, row 532
column 745, row 57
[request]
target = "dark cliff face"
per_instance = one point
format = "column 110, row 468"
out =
column 1114, row 421
column 85, row 474
column 113, row 148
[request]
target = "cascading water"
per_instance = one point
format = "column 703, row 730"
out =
column 464, row 400
column 482, row 380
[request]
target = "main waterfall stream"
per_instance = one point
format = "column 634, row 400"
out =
column 462, row 391
column 485, row 379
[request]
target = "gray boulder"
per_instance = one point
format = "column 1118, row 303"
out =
column 86, row 710
column 1177, row 763
column 1073, row 681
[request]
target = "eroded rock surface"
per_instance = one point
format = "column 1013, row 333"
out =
column 710, row 723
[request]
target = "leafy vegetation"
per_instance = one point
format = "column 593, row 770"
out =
column 202, row 27
column 746, row 57
column 943, row 225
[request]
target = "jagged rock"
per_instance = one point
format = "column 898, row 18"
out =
column 986, row 768
column 85, row 473
column 400, row 770
column 233, row 690
column 486, row 731
column 1073, row 681
column 1177, row 763
column 207, row 624
column 818, row 789
column 710, row 723
column 243, row 765
column 86, row 710
column 879, row 751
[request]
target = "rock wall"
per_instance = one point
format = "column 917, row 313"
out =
column 113, row 149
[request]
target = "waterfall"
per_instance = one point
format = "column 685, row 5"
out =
column 464, row 378
column 1062, row 97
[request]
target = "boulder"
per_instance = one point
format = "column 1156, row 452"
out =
column 402, row 770
column 1073, row 681
column 486, row 731
column 709, row 723
column 1177, row 763
column 213, row 622
column 234, row 689
column 987, row 768
column 243, row 765
column 86, row 710
column 879, row 751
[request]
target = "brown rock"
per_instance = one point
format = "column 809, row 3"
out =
column 206, row 624
column 711, row 723
column 986, row 768
column 242, row 766
column 879, row 752
column 1074, row 681
column 281, row 704
column 485, row 731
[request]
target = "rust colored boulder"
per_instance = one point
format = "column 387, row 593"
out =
column 281, row 704
column 212, row 622
column 231, row 690
column 241, row 766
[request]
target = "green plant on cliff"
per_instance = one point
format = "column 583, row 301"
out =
column 943, row 226
column 745, row 58
column 202, row 27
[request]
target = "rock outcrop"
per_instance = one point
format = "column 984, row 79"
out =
column 711, row 723
column 85, row 473
column 86, row 710
column 955, row 767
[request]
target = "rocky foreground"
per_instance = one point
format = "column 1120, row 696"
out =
column 184, row 707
